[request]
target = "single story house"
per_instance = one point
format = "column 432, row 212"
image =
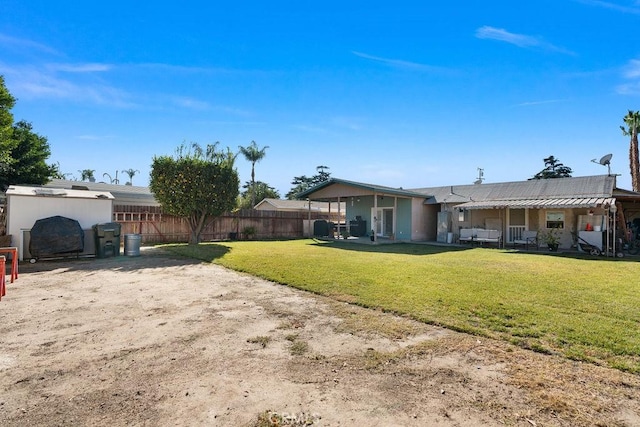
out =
column 569, row 205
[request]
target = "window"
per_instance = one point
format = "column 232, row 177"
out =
column 555, row 220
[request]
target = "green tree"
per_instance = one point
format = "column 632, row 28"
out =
column 553, row 169
column 87, row 175
column 28, row 152
column 6, row 122
column 23, row 153
column 253, row 154
column 57, row 173
column 131, row 173
column 302, row 183
column 260, row 190
column 195, row 184
column 632, row 120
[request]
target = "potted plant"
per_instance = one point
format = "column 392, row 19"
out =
column 249, row 232
column 552, row 239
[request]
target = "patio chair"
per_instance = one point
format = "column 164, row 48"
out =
column 528, row 237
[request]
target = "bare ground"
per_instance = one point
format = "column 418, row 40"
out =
column 159, row 340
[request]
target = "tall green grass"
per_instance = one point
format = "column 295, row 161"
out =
column 583, row 308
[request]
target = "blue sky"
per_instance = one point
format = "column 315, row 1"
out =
column 405, row 94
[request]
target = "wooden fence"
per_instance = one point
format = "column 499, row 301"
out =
column 157, row 227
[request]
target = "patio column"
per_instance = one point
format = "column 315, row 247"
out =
column 339, row 234
column 374, row 220
column 395, row 216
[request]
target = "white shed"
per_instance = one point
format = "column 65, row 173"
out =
column 26, row 205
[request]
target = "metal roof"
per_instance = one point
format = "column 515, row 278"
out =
column 23, row 190
column 588, row 202
column 123, row 194
column 588, row 187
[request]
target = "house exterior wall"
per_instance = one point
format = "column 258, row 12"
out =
column 535, row 218
column 404, row 213
column 420, row 221
column 431, row 222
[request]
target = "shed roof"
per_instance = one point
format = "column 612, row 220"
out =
column 20, row 190
column 122, row 194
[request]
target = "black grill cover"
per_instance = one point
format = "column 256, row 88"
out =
column 56, row 235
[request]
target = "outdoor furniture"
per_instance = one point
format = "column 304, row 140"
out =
column 489, row 236
column 3, row 284
column 466, row 235
column 13, row 251
column 528, row 237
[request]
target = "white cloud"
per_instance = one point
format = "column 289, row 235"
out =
column 29, row 82
column 80, row 68
column 191, row 103
column 632, row 69
column 547, row 101
column 613, row 6
column 629, row 88
column 18, row 43
column 520, row 40
column 631, row 72
column 399, row 63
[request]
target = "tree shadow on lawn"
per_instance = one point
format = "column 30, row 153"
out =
column 392, row 248
column 577, row 255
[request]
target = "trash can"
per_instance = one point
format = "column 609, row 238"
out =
column 320, row 228
column 107, row 238
column 132, row 244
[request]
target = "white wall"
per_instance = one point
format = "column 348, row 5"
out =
column 23, row 211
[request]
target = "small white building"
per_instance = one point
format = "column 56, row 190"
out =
column 26, row 205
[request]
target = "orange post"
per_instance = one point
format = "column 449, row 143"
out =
column 3, row 279
column 14, row 260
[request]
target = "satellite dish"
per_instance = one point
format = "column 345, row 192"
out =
column 606, row 160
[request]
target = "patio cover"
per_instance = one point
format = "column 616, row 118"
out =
column 569, row 203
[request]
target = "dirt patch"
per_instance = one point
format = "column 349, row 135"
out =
column 159, row 340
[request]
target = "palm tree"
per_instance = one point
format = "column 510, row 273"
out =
column 632, row 120
column 131, row 173
column 87, row 175
column 253, row 154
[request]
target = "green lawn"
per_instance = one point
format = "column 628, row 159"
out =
column 583, row 308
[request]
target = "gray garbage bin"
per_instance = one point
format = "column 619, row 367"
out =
column 132, row 244
column 107, row 238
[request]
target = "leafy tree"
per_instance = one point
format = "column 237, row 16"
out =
column 57, row 173
column 87, row 175
column 6, row 121
column 302, row 183
column 632, row 120
column 131, row 173
column 28, row 153
column 253, row 154
column 553, row 169
column 198, row 186
column 23, row 153
column 260, row 190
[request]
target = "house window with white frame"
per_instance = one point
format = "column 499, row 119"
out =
column 555, row 220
